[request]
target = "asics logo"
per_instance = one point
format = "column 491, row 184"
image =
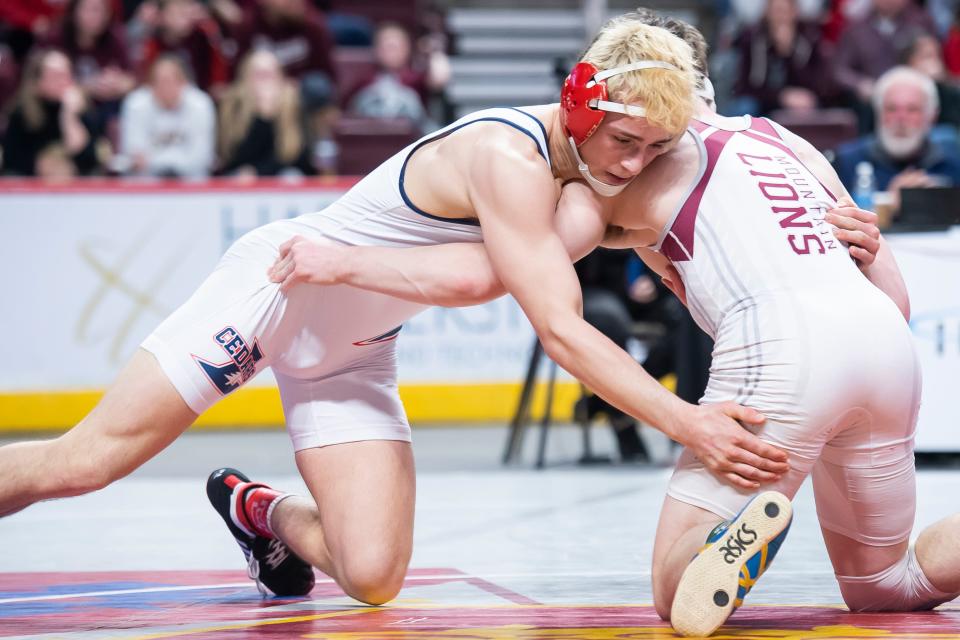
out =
column 736, row 543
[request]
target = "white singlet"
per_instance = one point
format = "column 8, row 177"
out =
column 331, row 348
column 800, row 335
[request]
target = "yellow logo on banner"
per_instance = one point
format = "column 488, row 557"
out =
column 113, row 279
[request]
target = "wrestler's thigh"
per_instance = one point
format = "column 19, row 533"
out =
column 140, row 414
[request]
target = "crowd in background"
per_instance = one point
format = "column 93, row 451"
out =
column 255, row 87
column 184, row 88
column 891, row 68
column 193, row 88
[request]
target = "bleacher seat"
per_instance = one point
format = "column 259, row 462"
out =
column 403, row 11
column 354, row 65
column 823, row 128
column 366, row 142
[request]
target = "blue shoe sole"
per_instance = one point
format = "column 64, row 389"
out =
column 711, row 587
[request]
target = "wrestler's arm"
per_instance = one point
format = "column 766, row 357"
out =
column 665, row 269
column 448, row 275
column 856, row 227
column 511, row 191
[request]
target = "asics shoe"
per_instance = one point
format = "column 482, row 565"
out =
column 736, row 554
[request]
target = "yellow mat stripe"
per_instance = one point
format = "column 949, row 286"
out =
column 260, row 406
column 255, row 623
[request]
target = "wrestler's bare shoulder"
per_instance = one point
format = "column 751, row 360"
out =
column 439, row 174
column 485, row 140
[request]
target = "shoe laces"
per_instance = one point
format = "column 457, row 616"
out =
column 277, row 552
column 253, row 571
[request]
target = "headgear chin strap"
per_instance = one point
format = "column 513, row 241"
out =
column 583, row 105
column 604, row 189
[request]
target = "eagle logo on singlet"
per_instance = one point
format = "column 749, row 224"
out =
column 242, row 364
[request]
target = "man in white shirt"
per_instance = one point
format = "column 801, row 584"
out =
column 168, row 126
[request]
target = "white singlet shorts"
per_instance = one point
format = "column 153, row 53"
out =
column 332, row 349
column 841, row 399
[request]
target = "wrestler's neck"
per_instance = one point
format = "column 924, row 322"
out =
column 563, row 164
column 707, row 114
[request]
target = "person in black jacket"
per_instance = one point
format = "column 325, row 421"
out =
column 617, row 291
column 922, row 52
column 50, row 120
column 260, row 122
column 782, row 63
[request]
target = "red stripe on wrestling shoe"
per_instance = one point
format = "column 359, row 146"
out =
column 237, row 512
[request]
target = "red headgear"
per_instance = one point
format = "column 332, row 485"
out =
column 583, row 99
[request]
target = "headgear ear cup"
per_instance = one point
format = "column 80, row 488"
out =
column 583, row 98
column 577, row 116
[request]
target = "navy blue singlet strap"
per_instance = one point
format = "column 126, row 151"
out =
column 544, row 151
column 446, row 132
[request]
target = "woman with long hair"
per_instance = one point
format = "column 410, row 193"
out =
column 181, row 29
column 261, row 121
column 49, row 110
column 93, row 37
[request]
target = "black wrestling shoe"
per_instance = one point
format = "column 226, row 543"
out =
column 270, row 563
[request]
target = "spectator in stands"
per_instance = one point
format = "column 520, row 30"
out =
column 868, row 48
column 141, row 20
column 781, row 63
column 168, row 128
column 922, row 52
column 951, row 46
column 401, row 85
column 23, row 22
column 51, row 111
column 94, row 40
column 9, row 78
column 184, row 29
column 837, row 15
column 230, row 14
column 750, row 12
column 398, row 89
column 260, row 122
column 298, row 36
column 902, row 154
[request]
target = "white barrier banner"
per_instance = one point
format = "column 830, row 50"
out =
column 930, row 263
column 88, row 275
